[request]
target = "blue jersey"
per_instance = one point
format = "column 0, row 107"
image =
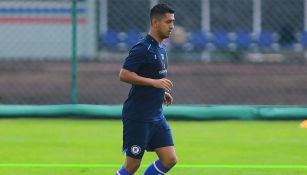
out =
column 147, row 59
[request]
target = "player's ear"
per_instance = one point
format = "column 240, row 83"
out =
column 155, row 22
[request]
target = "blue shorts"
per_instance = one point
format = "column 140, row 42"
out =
column 141, row 136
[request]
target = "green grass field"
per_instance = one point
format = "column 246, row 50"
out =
column 93, row 147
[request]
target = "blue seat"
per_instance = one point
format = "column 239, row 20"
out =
column 132, row 38
column 110, row 39
column 221, row 40
column 199, row 39
column 243, row 40
column 303, row 39
column 265, row 40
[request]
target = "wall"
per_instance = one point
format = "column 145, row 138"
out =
column 42, row 29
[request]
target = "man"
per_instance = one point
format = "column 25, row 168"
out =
column 145, row 127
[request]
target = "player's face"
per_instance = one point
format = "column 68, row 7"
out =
column 166, row 25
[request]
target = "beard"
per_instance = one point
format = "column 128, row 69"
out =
column 164, row 35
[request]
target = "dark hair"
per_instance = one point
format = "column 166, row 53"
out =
column 159, row 10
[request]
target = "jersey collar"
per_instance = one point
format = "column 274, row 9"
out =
column 154, row 42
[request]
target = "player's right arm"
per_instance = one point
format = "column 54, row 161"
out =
column 134, row 79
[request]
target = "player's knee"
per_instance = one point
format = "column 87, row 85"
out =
column 132, row 166
column 173, row 161
column 170, row 162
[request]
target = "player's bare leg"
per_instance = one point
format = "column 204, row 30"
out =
column 132, row 164
column 167, row 156
column 167, row 159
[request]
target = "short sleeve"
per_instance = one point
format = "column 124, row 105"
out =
column 136, row 57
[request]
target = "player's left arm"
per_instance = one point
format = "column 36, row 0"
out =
column 168, row 99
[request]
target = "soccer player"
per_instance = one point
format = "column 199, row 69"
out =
column 144, row 125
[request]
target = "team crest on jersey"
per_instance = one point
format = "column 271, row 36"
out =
column 135, row 150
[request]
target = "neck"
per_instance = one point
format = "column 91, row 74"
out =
column 155, row 36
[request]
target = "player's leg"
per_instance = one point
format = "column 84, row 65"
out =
column 131, row 165
column 167, row 159
column 167, row 156
column 163, row 145
column 135, row 140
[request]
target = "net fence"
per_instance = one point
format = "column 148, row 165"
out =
column 221, row 51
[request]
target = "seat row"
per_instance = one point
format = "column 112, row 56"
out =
column 197, row 40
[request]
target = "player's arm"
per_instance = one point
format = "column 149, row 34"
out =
column 134, row 79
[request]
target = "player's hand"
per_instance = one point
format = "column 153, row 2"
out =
column 163, row 83
column 168, row 99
